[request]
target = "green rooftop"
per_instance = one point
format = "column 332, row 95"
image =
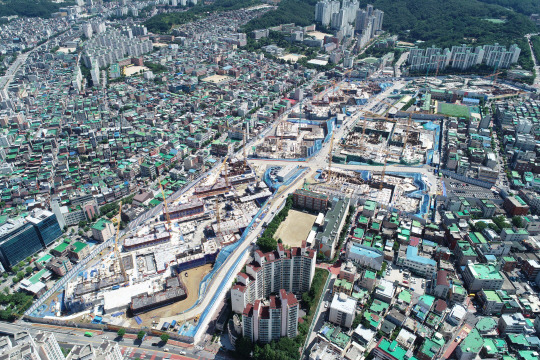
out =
column 62, row 247
column 392, row 348
column 78, row 246
column 101, row 224
column 473, row 341
column 486, row 324
column 405, row 296
column 485, row 272
column 37, row 277
column 44, row 259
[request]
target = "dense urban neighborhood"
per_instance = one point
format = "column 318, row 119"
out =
column 245, row 179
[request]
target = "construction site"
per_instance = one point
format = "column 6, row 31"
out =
column 400, row 192
column 294, row 139
column 303, row 133
column 165, row 258
column 376, row 140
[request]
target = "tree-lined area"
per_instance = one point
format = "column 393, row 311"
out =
column 300, row 12
column 442, row 23
column 445, row 23
column 526, row 7
column 31, row 8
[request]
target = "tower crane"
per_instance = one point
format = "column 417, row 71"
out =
column 166, row 209
column 218, row 216
column 244, row 147
column 116, row 251
column 329, row 175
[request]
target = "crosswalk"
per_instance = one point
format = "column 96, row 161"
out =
column 144, row 354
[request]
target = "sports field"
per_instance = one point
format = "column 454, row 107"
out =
column 295, row 228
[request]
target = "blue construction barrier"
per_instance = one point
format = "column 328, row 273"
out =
column 437, row 128
column 424, row 198
column 221, row 259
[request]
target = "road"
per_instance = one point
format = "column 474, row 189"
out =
column 12, row 71
column 129, row 347
column 401, row 60
column 536, row 83
column 460, row 335
column 240, row 253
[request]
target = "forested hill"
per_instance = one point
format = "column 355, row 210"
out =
column 526, row 7
column 30, row 8
column 439, row 22
column 449, row 22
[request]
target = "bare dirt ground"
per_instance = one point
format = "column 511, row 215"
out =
column 191, row 282
column 295, row 228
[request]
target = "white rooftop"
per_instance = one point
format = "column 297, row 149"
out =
column 343, row 303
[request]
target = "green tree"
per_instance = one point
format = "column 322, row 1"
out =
column 480, row 226
column 244, row 347
column 164, row 338
column 140, row 335
column 28, row 270
column 121, row 332
column 517, row 221
column 267, row 244
column 357, row 320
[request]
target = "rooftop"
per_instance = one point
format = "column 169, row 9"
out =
column 412, row 255
column 101, row 224
column 392, row 348
column 485, row 272
column 473, row 342
column 343, row 303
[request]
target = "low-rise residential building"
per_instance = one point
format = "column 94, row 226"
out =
column 365, row 256
column 420, row 265
column 469, row 348
column 342, row 310
column 60, row 265
column 78, row 251
column 482, row 276
column 515, row 206
column 102, row 230
column 491, row 302
column 515, row 324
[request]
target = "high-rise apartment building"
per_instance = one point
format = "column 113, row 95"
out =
column 324, row 10
column 265, row 321
column 463, row 57
column 23, row 346
column 291, row 270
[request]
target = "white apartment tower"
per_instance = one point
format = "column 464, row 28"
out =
column 324, row 10
column 265, row 321
column 292, row 270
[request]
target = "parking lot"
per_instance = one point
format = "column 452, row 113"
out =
column 403, row 276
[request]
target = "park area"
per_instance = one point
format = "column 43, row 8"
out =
column 192, row 282
column 295, row 228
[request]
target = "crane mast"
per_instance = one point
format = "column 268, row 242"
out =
column 116, row 251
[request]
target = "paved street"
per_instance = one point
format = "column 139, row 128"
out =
column 460, row 335
column 130, row 348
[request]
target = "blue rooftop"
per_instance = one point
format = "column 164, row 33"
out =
column 412, row 254
column 358, row 249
